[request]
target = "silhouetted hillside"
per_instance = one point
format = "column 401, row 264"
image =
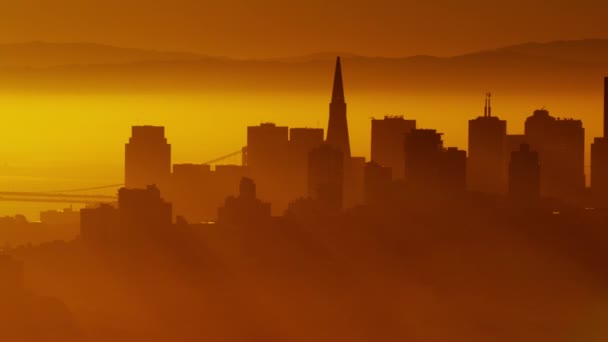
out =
column 588, row 51
column 389, row 275
column 570, row 66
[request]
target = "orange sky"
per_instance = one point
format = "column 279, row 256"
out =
column 63, row 141
column 263, row 28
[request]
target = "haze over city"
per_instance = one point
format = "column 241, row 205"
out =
column 303, row 171
column 55, row 108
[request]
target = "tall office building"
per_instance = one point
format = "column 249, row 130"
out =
column 267, row 160
column 301, row 142
column 524, row 176
column 430, row 168
column 147, row 158
column 388, row 137
column 326, row 177
column 599, row 159
column 266, row 147
column 453, row 171
column 486, row 171
column 142, row 213
column 423, row 148
column 560, row 144
column 514, row 142
column 191, row 192
column 338, row 139
column 142, row 216
column 337, row 129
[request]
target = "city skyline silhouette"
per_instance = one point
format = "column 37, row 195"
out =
column 33, row 150
column 303, row 171
column 268, row 161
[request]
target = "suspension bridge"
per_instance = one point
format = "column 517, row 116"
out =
column 86, row 195
column 69, row 196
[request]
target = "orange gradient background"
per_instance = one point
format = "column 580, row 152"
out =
column 53, row 140
column 271, row 28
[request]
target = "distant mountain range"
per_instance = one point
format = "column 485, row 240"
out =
column 561, row 65
column 42, row 55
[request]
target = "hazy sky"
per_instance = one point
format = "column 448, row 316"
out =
column 49, row 144
column 264, row 28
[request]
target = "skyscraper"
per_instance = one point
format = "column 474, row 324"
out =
column 388, row 137
column 606, row 107
column 301, row 142
column 486, row 169
column 267, row 153
column 142, row 216
column 143, row 213
column 147, row 158
column 337, row 129
column 423, row 149
column 560, row 144
column 453, row 171
column 599, row 159
column 266, row 148
column 192, row 190
column 326, row 177
column 430, row 168
column 524, row 176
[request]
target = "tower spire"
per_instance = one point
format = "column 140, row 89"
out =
column 489, row 104
column 337, row 129
column 605, row 107
column 338, row 92
column 485, row 108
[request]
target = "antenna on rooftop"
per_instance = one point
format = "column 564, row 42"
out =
column 489, row 104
